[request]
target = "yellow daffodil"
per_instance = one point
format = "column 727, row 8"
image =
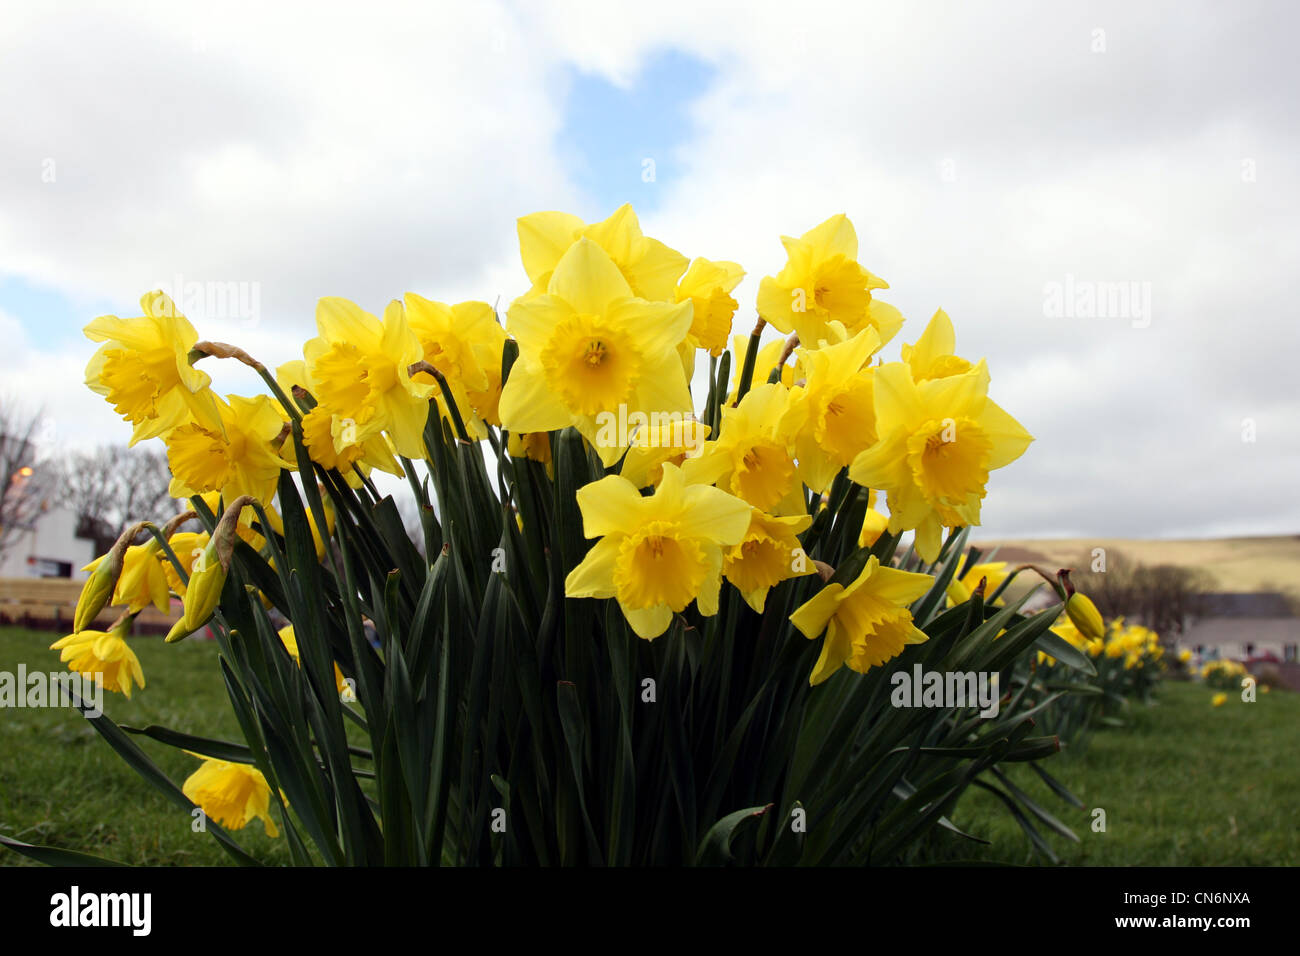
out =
column 143, row 369
column 866, row 623
column 751, row 457
column 661, row 442
column 822, row 281
column 360, row 367
column 932, row 355
column 938, row 441
column 333, row 441
column 656, row 554
column 488, row 351
column 455, row 340
column 833, row 413
column 103, row 656
column 290, row 641
column 591, row 353
column 142, row 581
column 993, row 572
column 238, row 459
column 708, row 285
column 769, row 553
column 232, row 794
column 649, row 267
column 1219, row 699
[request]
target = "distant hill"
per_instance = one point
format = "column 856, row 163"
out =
column 1233, row 564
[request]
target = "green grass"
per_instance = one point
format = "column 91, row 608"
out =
column 62, row 784
column 1183, row 784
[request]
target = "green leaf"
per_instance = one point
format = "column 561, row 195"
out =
column 715, row 848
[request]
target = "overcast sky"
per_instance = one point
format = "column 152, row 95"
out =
column 1004, row 161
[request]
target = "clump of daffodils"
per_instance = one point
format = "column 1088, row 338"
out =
column 697, row 502
column 1223, row 674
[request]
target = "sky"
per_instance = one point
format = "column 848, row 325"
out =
column 1007, row 162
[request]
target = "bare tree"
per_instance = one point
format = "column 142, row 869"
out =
column 112, row 486
column 26, row 484
column 1163, row 597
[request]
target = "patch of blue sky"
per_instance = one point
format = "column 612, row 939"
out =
column 624, row 144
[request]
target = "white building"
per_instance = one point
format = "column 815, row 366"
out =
column 48, row 547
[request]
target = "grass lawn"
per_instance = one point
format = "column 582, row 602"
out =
column 1183, row 784
column 62, row 784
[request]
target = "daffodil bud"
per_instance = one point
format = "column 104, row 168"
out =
column 1081, row 611
column 208, row 575
column 1086, row 617
column 104, row 573
column 97, row 591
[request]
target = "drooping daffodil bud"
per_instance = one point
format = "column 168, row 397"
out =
column 1081, row 611
column 208, row 575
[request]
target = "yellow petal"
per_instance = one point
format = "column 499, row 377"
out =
column 812, row 617
column 527, row 405
column 713, row 514
column 594, row 575
column 587, row 278
column 610, row 505
column 834, row 237
column 650, row 622
column 544, row 238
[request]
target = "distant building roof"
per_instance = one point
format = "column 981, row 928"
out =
column 1261, row 604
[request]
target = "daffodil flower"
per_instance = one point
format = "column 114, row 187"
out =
column 751, row 456
column 103, row 656
column 144, row 371
column 649, row 267
column 656, row 554
column 589, row 348
column 236, row 460
column 822, row 281
column 866, row 623
column 932, row 355
column 938, row 441
column 334, row 441
column 708, row 286
column 833, row 412
column 142, row 581
column 233, row 794
column 361, row 370
column 457, row 340
column 768, row 554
